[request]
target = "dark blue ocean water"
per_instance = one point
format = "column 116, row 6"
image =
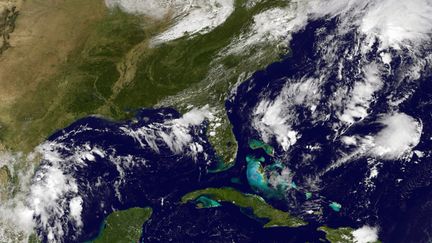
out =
column 401, row 203
column 153, row 176
column 402, row 210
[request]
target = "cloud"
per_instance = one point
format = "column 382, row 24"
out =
column 282, row 179
column 201, row 16
column 362, row 95
column 75, row 207
column 189, row 17
column 400, row 134
column 16, row 217
column 272, row 120
column 153, row 8
column 52, row 192
column 275, row 118
column 395, row 23
column 54, row 202
column 273, row 26
column 176, row 133
column 365, row 234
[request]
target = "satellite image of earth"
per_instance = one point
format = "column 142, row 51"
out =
column 266, row 121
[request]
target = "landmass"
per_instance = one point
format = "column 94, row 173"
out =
column 101, row 61
column 342, row 235
column 261, row 209
column 124, row 226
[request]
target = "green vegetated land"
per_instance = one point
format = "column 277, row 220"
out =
column 8, row 17
column 219, row 72
column 82, row 85
column 114, row 70
column 176, row 65
column 261, row 209
column 105, row 64
column 5, row 178
column 339, row 235
column 124, row 226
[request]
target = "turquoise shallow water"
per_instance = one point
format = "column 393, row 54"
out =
column 255, row 174
column 207, row 202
